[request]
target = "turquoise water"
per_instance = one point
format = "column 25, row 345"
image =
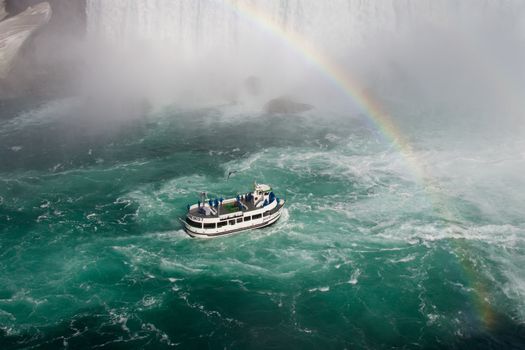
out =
column 366, row 255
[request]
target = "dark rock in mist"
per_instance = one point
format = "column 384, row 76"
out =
column 286, row 105
column 253, row 85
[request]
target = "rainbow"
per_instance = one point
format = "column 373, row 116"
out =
column 383, row 122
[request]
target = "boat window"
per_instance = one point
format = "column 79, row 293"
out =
column 257, row 216
column 193, row 223
column 222, row 223
column 212, row 225
column 232, row 222
column 266, row 213
column 239, row 220
column 247, row 218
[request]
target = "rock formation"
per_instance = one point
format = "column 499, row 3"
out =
column 15, row 31
column 3, row 12
column 286, row 105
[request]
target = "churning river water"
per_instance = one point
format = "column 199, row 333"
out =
column 366, row 255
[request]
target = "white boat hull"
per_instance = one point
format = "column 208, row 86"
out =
column 236, row 228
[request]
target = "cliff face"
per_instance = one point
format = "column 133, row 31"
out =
column 3, row 12
column 69, row 16
column 16, row 30
column 37, row 58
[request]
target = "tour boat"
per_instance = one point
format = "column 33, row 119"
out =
column 222, row 217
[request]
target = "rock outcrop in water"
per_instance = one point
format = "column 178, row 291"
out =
column 286, row 105
column 15, row 31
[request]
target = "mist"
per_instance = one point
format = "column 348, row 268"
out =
column 434, row 67
column 436, row 59
column 441, row 57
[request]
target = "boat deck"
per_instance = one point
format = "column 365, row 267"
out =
column 224, row 209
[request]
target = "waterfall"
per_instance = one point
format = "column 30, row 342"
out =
column 200, row 24
column 392, row 42
column 206, row 24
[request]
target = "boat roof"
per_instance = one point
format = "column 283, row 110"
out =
column 248, row 204
column 262, row 188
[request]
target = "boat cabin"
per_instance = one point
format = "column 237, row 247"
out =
column 261, row 191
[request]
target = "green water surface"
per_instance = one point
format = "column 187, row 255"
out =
column 366, row 255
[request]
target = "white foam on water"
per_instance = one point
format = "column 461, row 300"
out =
column 408, row 258
column 47, row 113
column 450, row 174
column 24, row 296
column 172, row 237
column 167, row 264
column 511, row 261
column 158, row 202
column 354, row 278
column 119, row 317
column 150, row 327
column 332, row 163
column 487, row 176
column 359, row 223
column 149, row 301
column 432, row 318
column 332, row 137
